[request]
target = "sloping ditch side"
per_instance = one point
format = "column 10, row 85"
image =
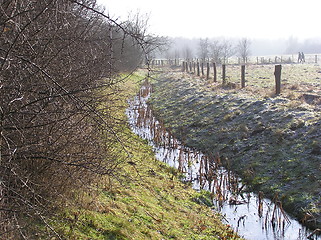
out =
column 273, row 145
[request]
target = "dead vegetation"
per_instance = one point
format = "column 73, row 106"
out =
column 58, row 62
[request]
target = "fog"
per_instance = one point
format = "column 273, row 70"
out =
column 258, row 47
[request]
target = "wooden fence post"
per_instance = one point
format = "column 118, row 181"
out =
column 277, row 74
column 214, row 68
column 198, row 68
column 243, row 76
column 223, row 74
column 207, row 70
column 316, row 59
column 202, row 64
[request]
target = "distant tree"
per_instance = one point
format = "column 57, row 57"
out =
column 292, row 45
column 203, row 50
column 150, row 45
column 243, row 49
column 187, row 52
column 176, row 54
column 216, row 51
column 228, row 50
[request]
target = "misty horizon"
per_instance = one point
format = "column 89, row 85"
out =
column 258, row 47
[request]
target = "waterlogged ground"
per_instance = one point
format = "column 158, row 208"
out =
column 143, row 199
column 273, row 143
column 251, row 215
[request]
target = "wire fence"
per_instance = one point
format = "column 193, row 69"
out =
column 267, row 59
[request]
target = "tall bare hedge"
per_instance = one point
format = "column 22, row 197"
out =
column 57, row 57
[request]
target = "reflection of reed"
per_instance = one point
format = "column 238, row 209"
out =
column 180, row 160
column 260, row 204
column 201, row 175
column 225, row 187
column 279, row 217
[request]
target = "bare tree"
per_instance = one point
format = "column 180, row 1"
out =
column 149, row 44
column 187, row 52
column 216, row 51
column 203, row 49
column 176, row 54
column 58, row 59
column 243, row 49
column 228, row 50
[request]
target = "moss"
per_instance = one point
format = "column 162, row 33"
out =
column 203, row 197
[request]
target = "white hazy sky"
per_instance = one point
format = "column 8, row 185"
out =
column 228, row 18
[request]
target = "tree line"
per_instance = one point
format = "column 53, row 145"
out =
column 218, row 50
column 58, row 65
column 186, row 48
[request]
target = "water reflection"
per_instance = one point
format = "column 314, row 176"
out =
column 250, row 214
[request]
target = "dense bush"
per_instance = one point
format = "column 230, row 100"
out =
column 57, row 57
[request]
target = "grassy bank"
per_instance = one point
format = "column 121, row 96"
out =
column 272, row 142
column 142, row 199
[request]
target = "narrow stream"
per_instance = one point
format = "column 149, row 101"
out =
column 251, row 215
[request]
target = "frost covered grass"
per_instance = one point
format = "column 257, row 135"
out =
column 273, row 142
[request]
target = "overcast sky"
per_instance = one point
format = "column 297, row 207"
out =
column 225, row 18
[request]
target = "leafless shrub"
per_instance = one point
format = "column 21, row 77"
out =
column 57, row 126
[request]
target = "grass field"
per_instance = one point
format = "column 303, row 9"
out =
column 297, row 81
column 295, row 78
column 273, row 142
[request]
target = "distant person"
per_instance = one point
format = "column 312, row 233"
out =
column 299, row 57
column 302, row 57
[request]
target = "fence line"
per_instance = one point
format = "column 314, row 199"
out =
column 196, row 66
column 269, row 59
column 277, row 74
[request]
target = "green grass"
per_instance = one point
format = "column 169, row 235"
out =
column 143, row 200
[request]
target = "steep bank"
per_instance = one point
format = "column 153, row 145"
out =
column 272, row 143
column 142, row 199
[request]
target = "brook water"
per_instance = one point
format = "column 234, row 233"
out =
column 251, row 215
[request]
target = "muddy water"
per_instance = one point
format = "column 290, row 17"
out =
column 251, row 215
